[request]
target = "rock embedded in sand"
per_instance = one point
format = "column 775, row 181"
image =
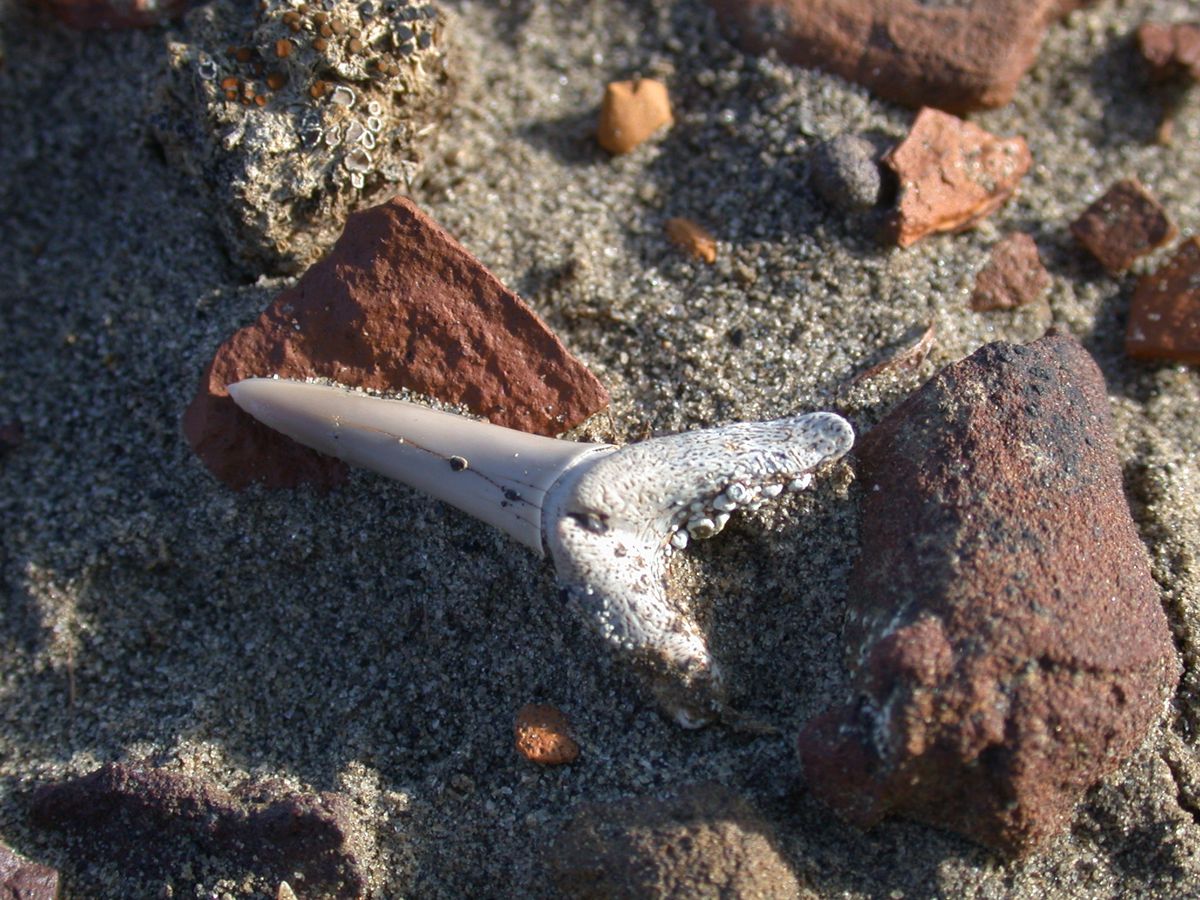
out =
column 692, row 238
column 952, row 174
column 703, row 842
column 846, row 174
column 1013, row 276
column 1011, row 644
column 959, row 56
column 289, row 128
column 136, row 814
column 543, row 735
column 1126, row 223
column 1164, row 317
column 21, row 879
column 631, row 112
column 114, row 14
column 397, row 304
column 1171, row 50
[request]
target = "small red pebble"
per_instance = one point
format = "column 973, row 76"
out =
column 543, row 735
column 1124, row 224
column 630, row 112
column 1172, row 51
column 692, row 238
column 1164, row 318
column 1014, row 275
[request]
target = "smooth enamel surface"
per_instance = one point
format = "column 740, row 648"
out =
column 496, row 474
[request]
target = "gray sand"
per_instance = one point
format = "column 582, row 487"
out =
column 374, row 643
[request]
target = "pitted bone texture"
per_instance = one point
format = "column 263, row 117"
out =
column 611, row 528
column 1010, row 646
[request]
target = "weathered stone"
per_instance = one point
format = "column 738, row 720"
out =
column 704, row 842
column 1014, row 275
column 290, row 128
column 954, row 56
column 543, row 735
column 21, row 879
column 846, row 174
column 1123, row 225
column 134, row 813
column 631, row 112
column 952, row 174
column 1172, row 51
column 397, row 304
column 1164, row 318
column 1012, row 647
column 114, row 14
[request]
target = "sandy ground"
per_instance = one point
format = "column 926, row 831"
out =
column 374, row 643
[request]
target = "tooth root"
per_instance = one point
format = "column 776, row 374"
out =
column 496, row 474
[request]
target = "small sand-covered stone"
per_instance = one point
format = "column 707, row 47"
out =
column 132, row 814
column 703, row 842
column 1011, row 644
column 1013, row 276
column 630, row 112
column 308, row 133
column 543, row 735
column 846, row 174
column 952, row 174
column 1171, row 50
column 1164, row 318
column 1126, row 223
column 957, row 56
column 692, row 238
column 397, row 304
column 21, row 879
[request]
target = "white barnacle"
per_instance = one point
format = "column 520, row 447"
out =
column 609, row 518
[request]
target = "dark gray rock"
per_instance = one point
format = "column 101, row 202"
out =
column 845, row 172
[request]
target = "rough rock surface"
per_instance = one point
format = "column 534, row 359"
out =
column 1171, row 50
column 397, row 304
column 113, row 14
column 1164, row 318
column 133, row 812
column 1013, row 276
column 703, row 842
column 1011, row 649
column 21, row 879
column 291, row 120
column 1126, row 223
column 955, row 56
column 631, row 112
column 952, row 174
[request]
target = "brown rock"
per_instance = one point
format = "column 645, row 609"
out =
column 135, row 813
column 21, row 879
column 543, row 735
column 1014, row 275
column 954, row 56
column 1013, row 647
column 952, row 174
column 398, row 303
column 704, row 842
column 1164, row 318
column 1172, row 51
column 693, row 239
column 1124, row 224
column 630, row 112
column 114, row 14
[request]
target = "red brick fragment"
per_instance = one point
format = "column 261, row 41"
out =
column 1164, row 318
column 1123, row 225
column 21, row 879
column 952, row 174
column 1014, row 275
column 1172, row 51
column 397, row 303
column 954, row 56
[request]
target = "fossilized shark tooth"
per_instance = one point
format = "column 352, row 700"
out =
column 608, row 517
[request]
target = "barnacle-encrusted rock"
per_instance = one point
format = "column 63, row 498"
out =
column 293, row 115
column 1009, row 643
column 703, row 842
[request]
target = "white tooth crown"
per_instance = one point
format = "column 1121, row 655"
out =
column 609, row 518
